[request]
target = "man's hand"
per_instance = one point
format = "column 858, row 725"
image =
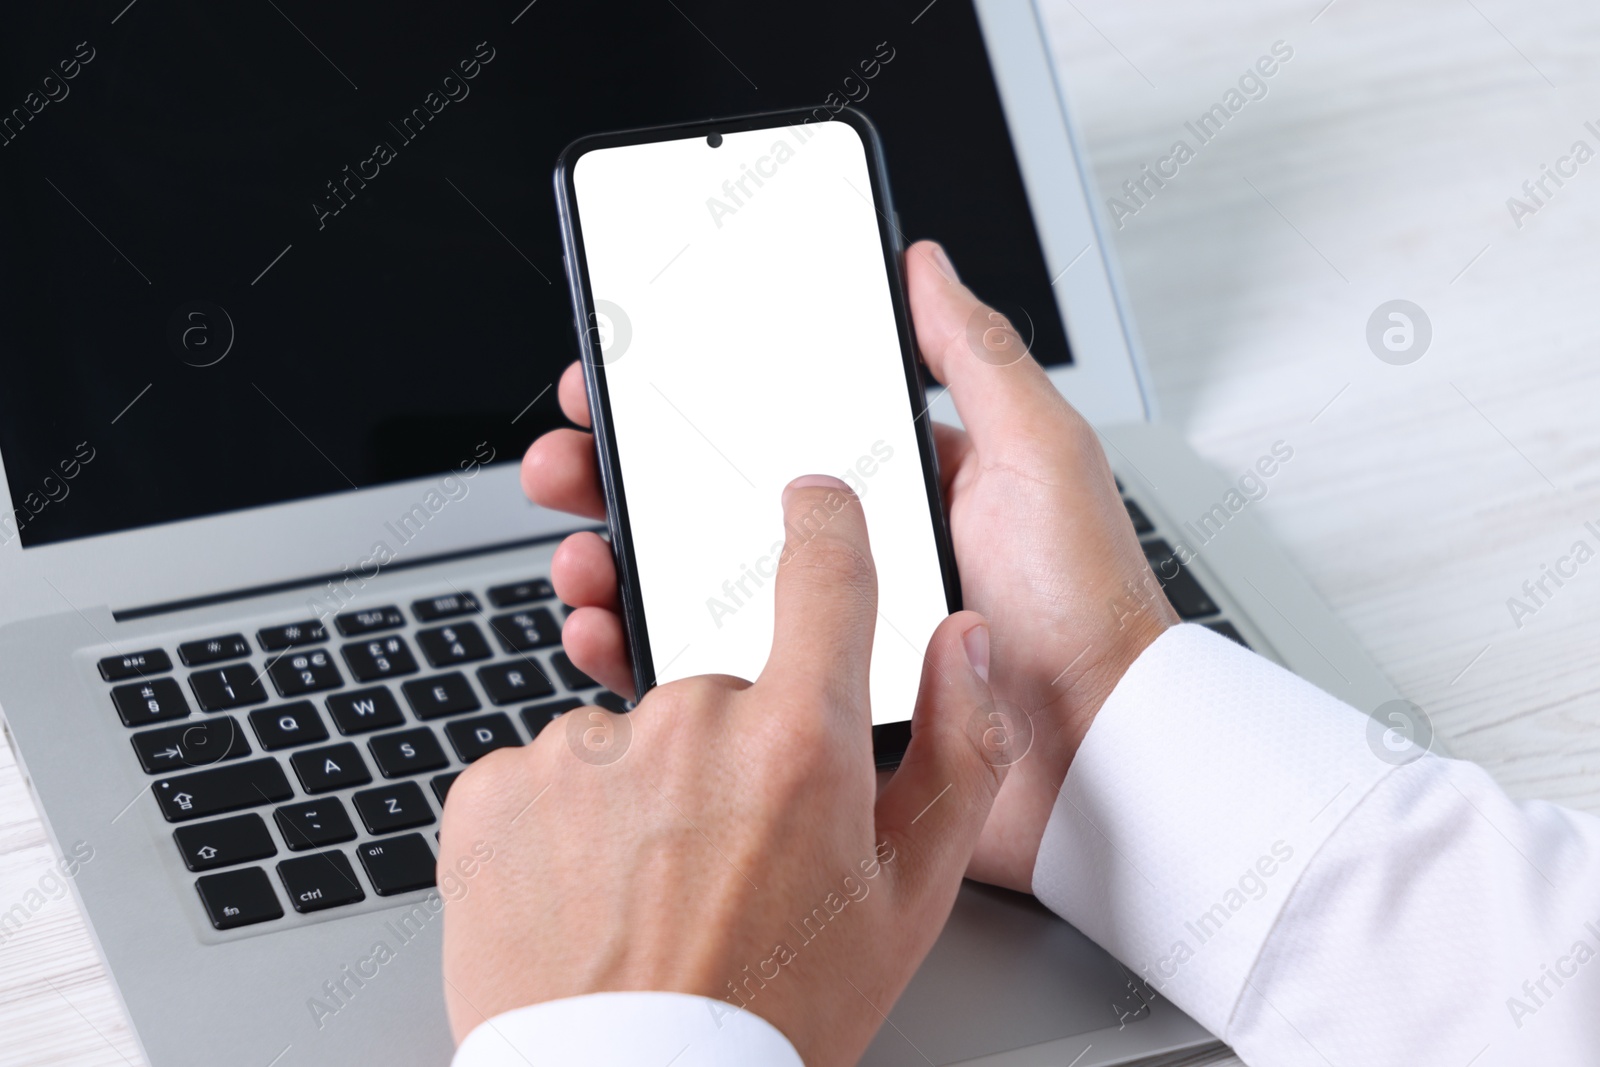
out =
column 1041, row 538
column 729, row 839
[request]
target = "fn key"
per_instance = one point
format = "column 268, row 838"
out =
column 398, row 864
column 239, row 898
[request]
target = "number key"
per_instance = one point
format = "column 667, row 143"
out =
column 297, row 673
column 445, row 646
column 524, row 631
column 381, row 657
column 227, row 687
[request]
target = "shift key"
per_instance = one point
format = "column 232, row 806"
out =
column 211, row 792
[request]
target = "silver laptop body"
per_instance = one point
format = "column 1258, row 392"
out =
column 1008, row 983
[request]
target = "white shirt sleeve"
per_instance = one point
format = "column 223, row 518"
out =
column 1230, row 832
column 627, row 1030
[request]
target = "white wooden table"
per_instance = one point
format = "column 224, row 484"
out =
column 1421, row 497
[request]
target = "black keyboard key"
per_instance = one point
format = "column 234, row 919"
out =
column 442, row 783
column 219, row 789
column 298, row 673
column 362, row 710
column 407, row 752
column 290, row 725
column 135, row 665
column 295, row 634
column 324, row 769
column 187, row 747
column 382, row 657
column 476, row 737
column 612, row 702
column 210, row 845
column 238, row 898
column 1188, row 599
column 508, row 683
column 324, row 880
column 356, row 623
column 1141, row 522
column 524, row 631
column 398, row 864
column 1227, row 629
column 314, row 824
column 142, row 703
column 213, row 650
column 447, row 646
column 393, row 807
column 509, row 596
column 572, row 677
column 445, row 607
column 447, row 694
column 539, row 716
column 226, row 688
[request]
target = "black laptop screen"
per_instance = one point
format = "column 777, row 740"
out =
column 257, row 252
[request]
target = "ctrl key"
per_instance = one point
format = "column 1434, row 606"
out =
column 324, row 880
column 238, row 898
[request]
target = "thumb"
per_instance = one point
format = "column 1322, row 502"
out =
column 937, row 802
column 974, row 351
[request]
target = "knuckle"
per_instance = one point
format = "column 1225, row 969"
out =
column 833, row 559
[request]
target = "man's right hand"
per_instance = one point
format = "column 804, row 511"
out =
column 1041, row 538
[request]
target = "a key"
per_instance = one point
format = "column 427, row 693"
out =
column 441, row 785
column 226, row 688
column 319, row 881
column 509, row 596
column 356, row 623
column 446, row 694
column 287, row 726
column 219, row 789
column 295, row 634
column 539, row 716
column 1188, row 599
column 238, row 898
column 135, row 665
column 572, row 677
column 398, row 864
column 143, row 703
column 524, row 631
column 223, row 843
column 187, row 747
column 334, row 767
column 314, row 824
column 508, row 683
column 393, row 807
column 298, row 673
column 407, row 752
column 476, row 737
column 444, row 607
column 213, row 650
column 361, row 710
column 446, row 646
column 381, row 657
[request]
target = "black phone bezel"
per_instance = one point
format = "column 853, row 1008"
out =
column 889, row 739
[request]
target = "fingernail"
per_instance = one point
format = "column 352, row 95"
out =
column 945, row 266
column 814, row 481
column 976, row 642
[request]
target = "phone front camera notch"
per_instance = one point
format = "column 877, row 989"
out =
column 715, row 140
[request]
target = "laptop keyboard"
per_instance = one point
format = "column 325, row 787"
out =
column 1188, row 598
column 345, row 742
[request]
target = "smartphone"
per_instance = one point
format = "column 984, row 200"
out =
column 739, row 301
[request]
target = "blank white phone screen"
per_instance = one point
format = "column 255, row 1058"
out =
column 748, row 337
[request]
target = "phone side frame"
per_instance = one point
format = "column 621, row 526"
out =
column 889, row 739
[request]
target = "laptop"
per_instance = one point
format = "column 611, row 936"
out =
column 282, row 307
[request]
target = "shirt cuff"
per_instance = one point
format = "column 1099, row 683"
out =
column 624, row 1030
column 1208, row 781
